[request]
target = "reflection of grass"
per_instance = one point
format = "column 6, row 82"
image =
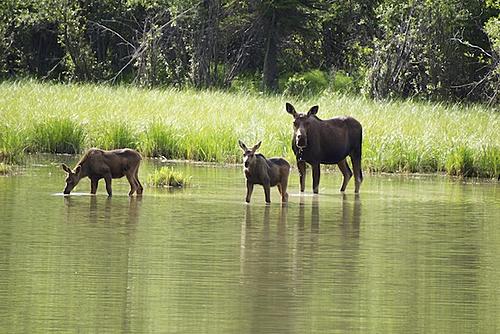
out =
column 205, row 125
column 167, row 177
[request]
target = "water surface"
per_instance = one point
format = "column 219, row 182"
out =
column 408, row 255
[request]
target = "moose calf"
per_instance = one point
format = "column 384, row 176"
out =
column 267, row 172
column 98, row 164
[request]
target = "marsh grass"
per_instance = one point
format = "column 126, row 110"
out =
column 6, row 169
column 400, row 136
column 168, row 177
column 55, row 135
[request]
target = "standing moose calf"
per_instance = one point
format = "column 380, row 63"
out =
column 98, row 164
column 266, row 172
column 330, row 141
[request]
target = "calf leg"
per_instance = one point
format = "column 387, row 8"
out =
column 358, row 174
column 346, row 172
column 301, row 165
column 93, row 186
column 316, row 175
column 139, row 185
column 132, row 182
column 107, row 178
column 283, row 186
column 249, row 191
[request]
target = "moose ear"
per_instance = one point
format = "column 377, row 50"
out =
column 242, row 145
column 290, row 109
column 256, row 147
column 66, row 169
column 313, row 111
column 78, row 169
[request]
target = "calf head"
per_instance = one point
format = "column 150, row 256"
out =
column 72, row 178
column 248, row 154
column 301, row 124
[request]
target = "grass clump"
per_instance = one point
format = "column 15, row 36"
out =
column 167, row 177
column 5, row 169
column 115, row 135
column 56, row 135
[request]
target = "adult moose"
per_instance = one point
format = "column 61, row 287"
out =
column 317, row 141
column 98, row 164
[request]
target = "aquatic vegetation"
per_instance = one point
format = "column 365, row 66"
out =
column 399, row 136
column 168, row 177
column 5, row 169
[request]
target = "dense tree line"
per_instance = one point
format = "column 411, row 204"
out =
column 437, row 49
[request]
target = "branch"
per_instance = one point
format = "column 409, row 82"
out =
column 466, row 43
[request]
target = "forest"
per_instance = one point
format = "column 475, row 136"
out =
column 439, row 50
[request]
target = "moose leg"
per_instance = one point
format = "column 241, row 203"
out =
column 132, row 182
column 346, row 172
column 139, row 185
column 301, row 165
column 358, row 174
column 93, row 186
column 316, row 174
column 249, row 191
column 107, row 178
column 267, row 192
column 283, row 186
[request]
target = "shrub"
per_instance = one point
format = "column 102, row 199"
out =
column 308, row 83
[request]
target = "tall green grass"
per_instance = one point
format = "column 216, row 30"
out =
column 401, row 136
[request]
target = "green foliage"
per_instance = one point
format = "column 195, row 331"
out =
column 5, row 169
column 168, row 177
column 206, row 125
column 117, row 134
column 308, row 83
column 56, row 135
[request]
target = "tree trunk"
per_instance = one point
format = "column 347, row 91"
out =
column 270, row 72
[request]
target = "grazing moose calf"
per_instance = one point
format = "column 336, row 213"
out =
column 98, row 164
column 267, row 172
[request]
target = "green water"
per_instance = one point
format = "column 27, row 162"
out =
column 409, row 255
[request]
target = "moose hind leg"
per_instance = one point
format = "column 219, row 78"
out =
column 358, row 174
column 107, row 179
column 139, row 185
column 267, row 192
column 283, row 186
column 132, row 182
column 346, row 172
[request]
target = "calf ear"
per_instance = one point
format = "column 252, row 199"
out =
column 78, row 169
column 313, row 111
column 66, row 169
column 290, row 109
column 256, row 147
column 242, row 145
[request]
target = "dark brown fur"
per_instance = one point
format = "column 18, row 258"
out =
column 317, row 141
column 266, row 172
column 98, row 164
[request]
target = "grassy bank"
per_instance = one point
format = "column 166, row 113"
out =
column 189, row 124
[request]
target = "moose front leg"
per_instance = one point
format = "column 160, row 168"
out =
column 301, row 165
column 249, row 191
column 93, row 186
column 316, row 174
column 107, row 178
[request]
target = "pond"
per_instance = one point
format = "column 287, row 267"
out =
column 410, row 254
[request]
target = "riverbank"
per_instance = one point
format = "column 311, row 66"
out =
column 206, row 125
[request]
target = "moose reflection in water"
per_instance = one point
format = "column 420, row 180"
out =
column 98, row 164
column 317, row 141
